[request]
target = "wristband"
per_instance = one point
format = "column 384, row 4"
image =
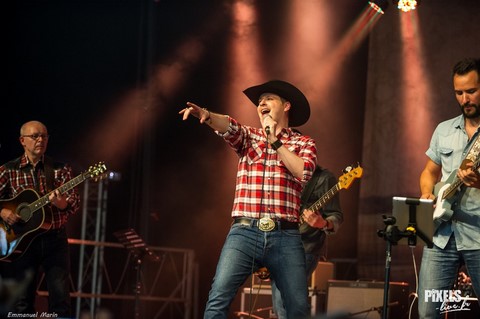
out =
column 276, row 145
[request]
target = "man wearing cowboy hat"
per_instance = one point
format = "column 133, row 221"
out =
column 275, row 162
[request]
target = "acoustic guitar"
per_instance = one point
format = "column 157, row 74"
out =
column 34, row 218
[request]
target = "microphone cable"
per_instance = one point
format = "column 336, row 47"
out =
column 252, row 303
column 414, row 294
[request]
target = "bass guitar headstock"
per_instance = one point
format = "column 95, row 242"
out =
column 350, row 173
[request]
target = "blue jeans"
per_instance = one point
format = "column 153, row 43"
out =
column 439, row 271
column 247, row 248
column 278, row 308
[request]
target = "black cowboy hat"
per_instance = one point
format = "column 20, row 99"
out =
column 300, row 110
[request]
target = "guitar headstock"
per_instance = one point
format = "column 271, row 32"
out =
column 350, row 174
column 97, row 171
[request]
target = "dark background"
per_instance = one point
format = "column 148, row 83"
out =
column 109, row 77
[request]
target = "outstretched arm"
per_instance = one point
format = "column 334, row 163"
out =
column 218, row 122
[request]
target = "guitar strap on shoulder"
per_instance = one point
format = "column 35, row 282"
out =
column 49, row 174
column 474, row 149
column 13, row 164
column 310, row 185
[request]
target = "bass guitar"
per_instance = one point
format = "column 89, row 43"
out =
column 34, row 218
column 447, row 193
column 344, row 182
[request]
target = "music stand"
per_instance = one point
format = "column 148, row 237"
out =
column 138, row 248
column 414, row 215
column 416, row 218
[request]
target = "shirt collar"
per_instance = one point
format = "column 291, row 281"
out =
column 25, row 161
column 459, row 122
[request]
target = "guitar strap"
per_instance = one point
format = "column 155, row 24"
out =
column 474, row 150
column 309, row 188
column 49, row 174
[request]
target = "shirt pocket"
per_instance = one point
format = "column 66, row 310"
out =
column 255, row 153
column 446, row 156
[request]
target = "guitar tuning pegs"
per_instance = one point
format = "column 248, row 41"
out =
column 347, row 169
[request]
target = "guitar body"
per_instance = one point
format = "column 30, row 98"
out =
column 443, row 206
column 15, row 239
column 447, row 193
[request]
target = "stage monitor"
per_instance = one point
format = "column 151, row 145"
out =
column 417, row 212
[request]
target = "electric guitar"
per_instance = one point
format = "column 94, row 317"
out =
column 34, row 218
column 447, row 193
column 344, row 182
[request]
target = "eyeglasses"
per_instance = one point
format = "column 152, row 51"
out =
column 37, row 136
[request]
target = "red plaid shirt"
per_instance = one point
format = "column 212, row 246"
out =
column 264, row 185
column 18, row 175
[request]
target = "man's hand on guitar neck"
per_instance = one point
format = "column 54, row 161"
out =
column 58, row 200
column 8, row 216
column 468, row 176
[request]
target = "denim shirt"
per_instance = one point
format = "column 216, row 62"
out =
column 448, row 148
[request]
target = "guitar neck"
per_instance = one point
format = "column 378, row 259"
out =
column 325, row 198
column 42, row 201
column 458, row 182
column 343, row 182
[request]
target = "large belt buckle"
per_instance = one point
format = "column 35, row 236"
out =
column 266, row 224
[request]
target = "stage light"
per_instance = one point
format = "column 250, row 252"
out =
column 407, row 5
column 379, row 5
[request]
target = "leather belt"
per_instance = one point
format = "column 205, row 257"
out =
column 253, row 222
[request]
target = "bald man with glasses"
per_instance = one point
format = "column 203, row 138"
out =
column 49, row 249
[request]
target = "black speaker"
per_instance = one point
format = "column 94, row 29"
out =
column 365, row 298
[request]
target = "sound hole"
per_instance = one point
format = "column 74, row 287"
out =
column 24, row 212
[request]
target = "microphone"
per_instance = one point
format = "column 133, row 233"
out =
column 267, row 128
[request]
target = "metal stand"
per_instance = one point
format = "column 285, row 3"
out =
column 137, row 247
column 392, row 235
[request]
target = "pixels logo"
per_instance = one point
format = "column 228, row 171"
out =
column 451, row 300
